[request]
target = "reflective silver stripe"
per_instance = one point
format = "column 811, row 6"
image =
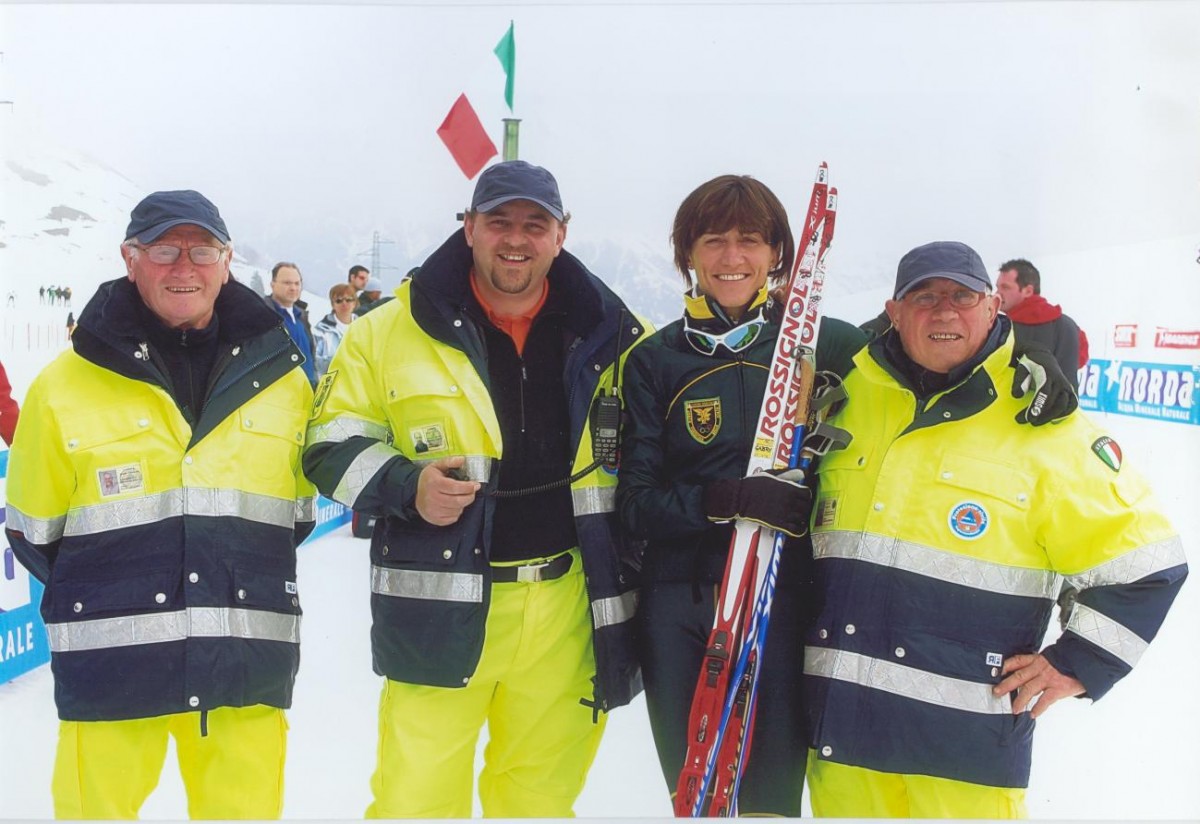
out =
column 463, row 587
column 360, row 472
column 594, row 500
column 936, row 563
column 888, row 676
column 1133, row 565
column 249, row 506
column 36, row 530
column 306, row 508
column 608, row 612
column 345, row 427
column 88, row 520
column 475, row 467
column 203, row 502
column 256, row 624
column 157, row 628
column 1112, row 637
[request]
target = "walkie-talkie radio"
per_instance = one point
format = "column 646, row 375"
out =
column 605, row 421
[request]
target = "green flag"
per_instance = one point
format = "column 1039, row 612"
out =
column 506, row 52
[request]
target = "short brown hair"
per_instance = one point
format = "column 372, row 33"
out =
column 733, row 202
column 339, row 289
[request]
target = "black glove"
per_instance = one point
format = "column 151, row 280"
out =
column 774, row 499
column 1053, row 396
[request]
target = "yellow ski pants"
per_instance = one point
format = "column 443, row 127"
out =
column 107, row 769
column 841, row 791
column 536, row 667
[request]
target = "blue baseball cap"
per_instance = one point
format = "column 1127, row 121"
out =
column 517, row 180
column 161, row 211
column 942, row 259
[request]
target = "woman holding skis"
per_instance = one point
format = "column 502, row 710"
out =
column 693, row 393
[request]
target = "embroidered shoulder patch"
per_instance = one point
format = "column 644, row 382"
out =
column 703, row 419
column 322, row 393
column 1109, row 452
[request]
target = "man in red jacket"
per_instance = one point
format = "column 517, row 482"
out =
column 1037, row 321
column 8, row 408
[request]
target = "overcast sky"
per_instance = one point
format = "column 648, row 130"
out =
column 1022, row 128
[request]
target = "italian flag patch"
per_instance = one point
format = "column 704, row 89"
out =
column 1109, row 451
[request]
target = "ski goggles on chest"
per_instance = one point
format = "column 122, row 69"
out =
column 734, row 340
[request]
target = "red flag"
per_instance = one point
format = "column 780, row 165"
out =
column 466, row 138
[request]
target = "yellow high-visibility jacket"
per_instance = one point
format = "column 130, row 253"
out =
column 167, row 549
column 942, row 535
column 408, row 386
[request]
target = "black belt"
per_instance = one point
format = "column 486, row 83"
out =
column 532, row 573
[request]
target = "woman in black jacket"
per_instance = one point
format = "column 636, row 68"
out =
column 693, row 393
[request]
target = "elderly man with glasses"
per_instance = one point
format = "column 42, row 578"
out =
column 154, row 487
column 941, row 535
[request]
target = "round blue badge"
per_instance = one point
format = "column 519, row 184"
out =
column 968, row 520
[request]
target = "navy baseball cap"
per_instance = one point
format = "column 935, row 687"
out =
column 517, row 180
column 942, row 259
column 161, row 211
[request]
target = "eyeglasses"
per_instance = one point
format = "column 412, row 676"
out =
column 165, row 255
column 345, row 300
column 735, row 340
column 959, row 298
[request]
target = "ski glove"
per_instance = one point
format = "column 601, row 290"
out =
column 1053, row 396
column 775, row 500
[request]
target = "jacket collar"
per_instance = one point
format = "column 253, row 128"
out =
column 1035, row 309
column 113, row 327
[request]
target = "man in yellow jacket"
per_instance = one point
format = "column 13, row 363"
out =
column 154, row 486
column 941, row 536
column 462, row 415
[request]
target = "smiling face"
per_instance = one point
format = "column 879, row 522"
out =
column 731, row 267
column 180, row 294
column 513, row 247
column 943, row 337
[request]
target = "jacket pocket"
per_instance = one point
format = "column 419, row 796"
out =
column 265, row 590
column 998, row 481
column 272, row 437
column 111, row 450
column 417, row 542
column 148, row 592
column 425, row 406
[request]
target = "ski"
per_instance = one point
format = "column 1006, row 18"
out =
column 776, row 425
column 730, row 763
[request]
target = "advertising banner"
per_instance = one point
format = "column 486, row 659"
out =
column 1160, row 391
column 23, row 643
